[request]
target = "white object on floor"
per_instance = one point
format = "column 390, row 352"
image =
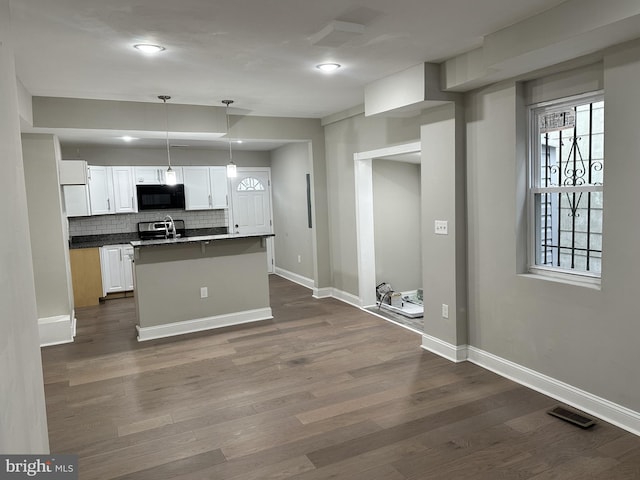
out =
column 410, row 310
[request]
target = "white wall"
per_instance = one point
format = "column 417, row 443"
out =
column 23, row 418
column 584, row 337
column 289, row 167
column 397, row 224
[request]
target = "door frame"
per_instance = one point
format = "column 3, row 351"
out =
column 365, row 242
column 269, row 243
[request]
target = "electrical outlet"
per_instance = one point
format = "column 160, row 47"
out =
column 204, row 292
column 299, row 258
column 441, row 227
column 445, row 310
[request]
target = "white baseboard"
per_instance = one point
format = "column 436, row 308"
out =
column 56, row 330
column 199, row 324
column 345, row 297
column 294, row 277
column 455, row 353
column 608, row 411
column 324, row 292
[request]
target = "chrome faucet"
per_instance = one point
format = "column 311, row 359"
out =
column 169, row 228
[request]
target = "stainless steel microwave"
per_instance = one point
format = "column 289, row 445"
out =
column 160, row 197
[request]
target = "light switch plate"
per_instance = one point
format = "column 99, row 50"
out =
column 204, row 292
column 441, row 227
column 445, row 310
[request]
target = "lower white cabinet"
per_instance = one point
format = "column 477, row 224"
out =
column 116, row 262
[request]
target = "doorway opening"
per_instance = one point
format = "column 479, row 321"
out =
column 389, row 230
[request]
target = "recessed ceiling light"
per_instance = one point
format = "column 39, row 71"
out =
column 149, row 48
column 127, row 138
column 328, row 67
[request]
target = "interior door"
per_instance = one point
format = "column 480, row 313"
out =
column 251, row 206
column 251, row 197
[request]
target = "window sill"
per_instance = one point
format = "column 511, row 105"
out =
column 592, row 283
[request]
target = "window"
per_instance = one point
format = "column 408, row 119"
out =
column 566, row 165
column 250, row 184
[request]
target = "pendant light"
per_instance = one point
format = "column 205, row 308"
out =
column 170, row 174
column 231, row 167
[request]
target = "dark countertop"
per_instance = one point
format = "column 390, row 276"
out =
column 197, row 238
column 93, row 241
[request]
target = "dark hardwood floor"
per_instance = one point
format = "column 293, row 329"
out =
column 322, row 391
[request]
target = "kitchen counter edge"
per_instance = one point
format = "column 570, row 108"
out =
column 194, row 239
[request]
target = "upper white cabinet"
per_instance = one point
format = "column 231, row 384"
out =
column 73, row 172
column 76, row 200
column 112, row 190
column 124, row 190
column 219, row 187
column 154, row 175
column 205, row 188
column 101, row 190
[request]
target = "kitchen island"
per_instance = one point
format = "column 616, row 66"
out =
column 190, row 284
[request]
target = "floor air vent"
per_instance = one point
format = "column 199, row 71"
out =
column 572, row 417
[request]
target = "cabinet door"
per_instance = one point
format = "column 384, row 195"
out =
column 219, row 188
column 197, row 188
column 124, row 194
column 76, row 200
column 148, row 176
column 100, row 190
column 112, row 272
column 154, row 175
column 127, row 265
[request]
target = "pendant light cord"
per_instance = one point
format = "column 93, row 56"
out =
column 227, row 103
column 164, row 98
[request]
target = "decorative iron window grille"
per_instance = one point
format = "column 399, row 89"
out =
column 567, row 180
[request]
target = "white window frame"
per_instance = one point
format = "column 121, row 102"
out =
column 533, row 174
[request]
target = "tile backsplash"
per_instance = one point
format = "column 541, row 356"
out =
column 128, row 222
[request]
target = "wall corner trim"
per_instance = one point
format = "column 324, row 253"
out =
column 56, row 330
column 455, row 353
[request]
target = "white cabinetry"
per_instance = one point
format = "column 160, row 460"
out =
column 124, row 190
column 205, row 188
column 112, row 190
column 155, row 175
column 101, row 190
column 76, row 200
column 116, row 262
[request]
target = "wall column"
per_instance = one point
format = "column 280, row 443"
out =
column 444, row 256
column 23, row 417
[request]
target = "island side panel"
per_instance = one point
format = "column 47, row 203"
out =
column 169, row 279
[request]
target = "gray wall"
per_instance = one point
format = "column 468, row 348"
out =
column 130, row 155
column 343, row 139
column 169, row 278
column 23, row 418
column 585, row 337
column 49, row 237
column 397, row 224
column 444, row 256
column 289, row 167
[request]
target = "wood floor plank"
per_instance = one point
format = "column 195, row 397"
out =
column 323, row 390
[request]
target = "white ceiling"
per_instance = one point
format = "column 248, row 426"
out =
column 257, row 52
